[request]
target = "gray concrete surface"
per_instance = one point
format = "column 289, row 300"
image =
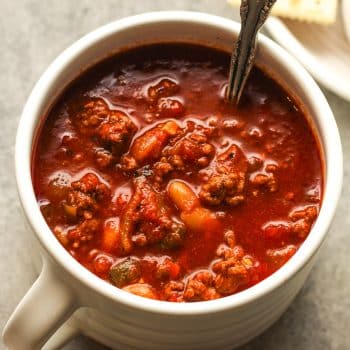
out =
column 32, row 33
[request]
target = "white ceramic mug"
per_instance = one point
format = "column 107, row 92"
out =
column 116, row 318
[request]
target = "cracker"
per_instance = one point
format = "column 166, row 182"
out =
column 317, row 11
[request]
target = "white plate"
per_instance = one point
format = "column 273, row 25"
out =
column 323, row 50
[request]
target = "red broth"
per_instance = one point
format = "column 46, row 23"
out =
column 156, row 184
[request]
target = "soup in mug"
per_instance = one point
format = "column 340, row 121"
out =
column 155, row 183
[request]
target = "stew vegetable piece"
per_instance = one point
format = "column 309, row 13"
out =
column 157, row 185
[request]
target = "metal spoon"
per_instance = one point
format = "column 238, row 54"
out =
column 253, row 15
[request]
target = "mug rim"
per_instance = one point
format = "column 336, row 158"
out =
column 333, row 172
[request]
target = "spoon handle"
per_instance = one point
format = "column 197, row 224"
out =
column 253, row 15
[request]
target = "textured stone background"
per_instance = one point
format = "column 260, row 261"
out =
column 33, row 33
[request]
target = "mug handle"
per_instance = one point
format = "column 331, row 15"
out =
column 69, row 330
column 45, row 307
